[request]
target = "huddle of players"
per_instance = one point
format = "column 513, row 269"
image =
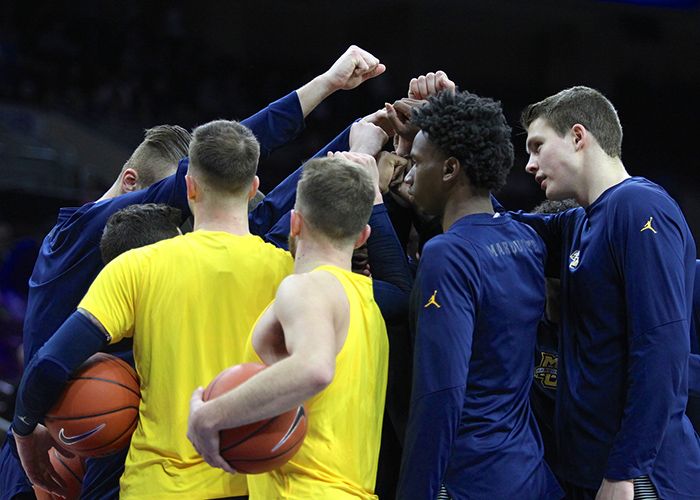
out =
column 625, row 261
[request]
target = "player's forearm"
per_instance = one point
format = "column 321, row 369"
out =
column 278, row 388
column 277, row 124
column 387, row 258
column 49, row 370
column 314, row 93
column 657, row 363
column 430, row 435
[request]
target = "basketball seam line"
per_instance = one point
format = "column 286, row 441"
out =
column 265, row 458
column 109, row 382
column 120, row 363
column 263, row 426
column 83, row 417
column 60, row 459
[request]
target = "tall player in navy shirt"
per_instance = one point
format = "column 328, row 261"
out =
column 478, row 300
column 70, row 258
column 627, row 265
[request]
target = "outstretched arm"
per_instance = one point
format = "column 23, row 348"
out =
column 351, row 69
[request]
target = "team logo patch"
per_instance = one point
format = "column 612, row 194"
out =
column 69, row 440
column 546, row 370
column 574, row 259
column 432, row 301
column 648, row 226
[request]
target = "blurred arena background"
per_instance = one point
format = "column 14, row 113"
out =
column 80, row 80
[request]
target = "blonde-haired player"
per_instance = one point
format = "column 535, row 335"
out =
column 325, row 341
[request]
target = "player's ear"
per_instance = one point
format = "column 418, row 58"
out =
column 364, row 235
column 579, row 135
column 254, row 187
column 192, row 187
column 128, row 180
column 450, row 169
column 295, row 223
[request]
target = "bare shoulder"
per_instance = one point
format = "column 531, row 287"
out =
column 313, row 290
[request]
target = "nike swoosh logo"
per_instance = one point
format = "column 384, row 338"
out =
column 69, row 440
column 292, row 428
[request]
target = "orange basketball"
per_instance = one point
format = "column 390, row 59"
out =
column 99, row 408
column 261, row 446
column 71, row 471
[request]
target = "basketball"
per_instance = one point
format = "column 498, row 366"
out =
column 71, row 471
column 99, row 408
column 261, row 446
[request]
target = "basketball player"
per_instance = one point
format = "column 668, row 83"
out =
column 188, row 302
column 69, row 259
column 325, row 342
column 478, row 299
column 137, row 226
column 627, row 264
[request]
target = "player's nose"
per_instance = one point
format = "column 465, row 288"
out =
column 410, row 176
column 531, row 167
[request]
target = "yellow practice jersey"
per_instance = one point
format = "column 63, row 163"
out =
column 189, row 303
column 339, row 456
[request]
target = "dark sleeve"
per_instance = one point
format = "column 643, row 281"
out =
column 264, row 219
column 391, row 300
column 550, row 228
column 391, row 276
column 51, row 367
column 401, row 217
column 387, row 259
column 653, row 268
column 278, row 124
column 440, row 367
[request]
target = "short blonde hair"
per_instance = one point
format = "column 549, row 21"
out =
column 335, row 196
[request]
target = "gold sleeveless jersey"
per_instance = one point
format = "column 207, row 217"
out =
column 339, row 456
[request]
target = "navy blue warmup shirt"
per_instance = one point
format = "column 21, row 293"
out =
column 627, row 267
column 480, row 297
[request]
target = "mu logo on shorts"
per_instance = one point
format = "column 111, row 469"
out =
column 546, row 370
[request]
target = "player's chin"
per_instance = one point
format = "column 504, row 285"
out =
column 553, row 194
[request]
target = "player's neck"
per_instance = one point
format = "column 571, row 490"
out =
column 112, row 192
column 604, row 173
column 230, row 218
column 310, row 254
column 462, row 204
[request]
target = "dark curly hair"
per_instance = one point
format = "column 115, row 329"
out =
column 555, row 206
column 473, row 130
